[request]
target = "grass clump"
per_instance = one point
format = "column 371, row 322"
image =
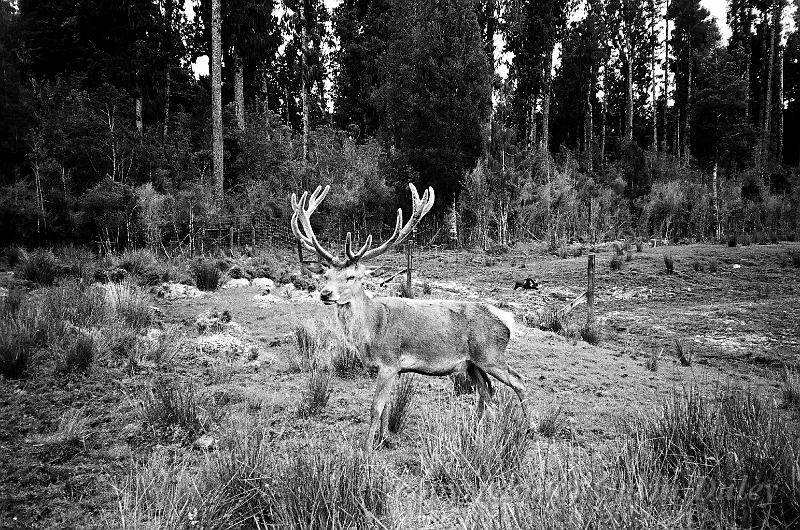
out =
column 12, row 302
column 713, row 266
column 552, row 422
column 669, row 263
column 615, row 263
column 590, row 333
column 698, row 266
column 171, row 409
column 401, row 403
column 206, row 276
column 317, row 393
column 78, row 354
column 346, row 362
column 791, row 387
column 684, row 353
column 461, row 454
column 651, row 363
column 40, row 267
column 548, row 320
column 17, row 342
column 131, row 304
column 309, row 347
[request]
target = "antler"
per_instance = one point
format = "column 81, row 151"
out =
column 308, row 204
column 420, row 207
column 302, row 212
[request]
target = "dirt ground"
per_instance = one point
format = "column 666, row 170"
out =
column 741, row 323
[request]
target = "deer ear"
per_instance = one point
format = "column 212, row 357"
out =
column 314, row 268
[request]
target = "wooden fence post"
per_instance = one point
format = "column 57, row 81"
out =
column 300, row 252
column 590, row 292
column 409, row 261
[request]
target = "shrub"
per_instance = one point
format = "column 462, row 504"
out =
column 617, row 248
column 171, row 409
column 206, row 276
column 791, row 387
column 638, row 245
column 78, row 262
column 615, row 263
column 137, row 261
column 401, row 403
column 316, row 394
column 40, row 267
column 16, row 347
column 698, row 266
column 732, row 241
column 15, row 255
column 552, row 422
column 461, row 454
column 590, row 333
column 577, row 252
column 78, row 354
column 669, row 263
column 713, row 266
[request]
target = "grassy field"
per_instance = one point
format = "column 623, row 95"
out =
column 129, row 400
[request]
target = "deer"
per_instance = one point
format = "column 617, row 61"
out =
column 403, row 335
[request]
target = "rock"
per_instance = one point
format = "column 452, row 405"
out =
column 221, row 345
column 173, row 291
column 213, row 321
column 235, row 283
column 118, row 452
column 130, row 430
column 265, row 284
column 205, row 443
column 3, row 292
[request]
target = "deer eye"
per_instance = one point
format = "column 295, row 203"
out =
column 351, row 278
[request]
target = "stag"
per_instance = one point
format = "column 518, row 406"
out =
column 398, row 335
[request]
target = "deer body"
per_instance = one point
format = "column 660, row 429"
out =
column 429, row 337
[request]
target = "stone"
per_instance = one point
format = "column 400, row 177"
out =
column 265, row 284
column 236, row 283
column 205, row 443
column 174, row 291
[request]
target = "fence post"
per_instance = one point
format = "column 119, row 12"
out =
column 300, row 252
column 590, row 292
column 409, row 260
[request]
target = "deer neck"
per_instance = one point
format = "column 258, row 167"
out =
column 357, row 317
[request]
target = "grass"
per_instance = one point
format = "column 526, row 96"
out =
column 461, row 454
column 651, row 363
column 78, row 354
column 206, row 275
column 698, row 266
column 548, row 320
column 346, row 362
column 590, row 333
column 171, row 409
column 407, row 291
column 316, row 394
column 40, row 267
column 790, row 390
column 401, row 403
column 628, row 257
column 309, row 347
column 713, row 266
column 617, row 248
column 131, row 304
column 552, row 422
column 639, row 245
column 17, row 341
column 669, row 263
column 684, row 353
column 137, row 261
column 11, row 304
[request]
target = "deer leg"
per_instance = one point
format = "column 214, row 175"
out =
column 511, row 378
column 481, row 381
column 383, row 390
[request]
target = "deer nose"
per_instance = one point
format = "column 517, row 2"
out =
column 325, row 294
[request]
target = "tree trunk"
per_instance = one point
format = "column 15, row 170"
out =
column 304, row 80
column 653, row 36
column 216, row 100
column 491, row 11
column 238, row 89
column 779, row 110
column 663, row 148
column 532, row 124
column 687, row 118
column 716, row 201
column 629, row 99
column 139, row 119
column 265, row 98
column 544, row 140
column 169, row 9
column 588, row 133
column 766, row 131
column 603, row 111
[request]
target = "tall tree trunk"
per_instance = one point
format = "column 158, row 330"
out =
column 303, row 79
column 544, row 140
column 588, row 126
column 766, row 131
column 666, row 84
column 532, row 123
column 687, row 118
column 238, row 89
column 779, row 110
column 169, row 10
column 603, row 112
column 265, row 96
column 491, row 19
column 138, row 104
column 716, row 200
column 628, row 96
column 216, row 101
column 653, row 36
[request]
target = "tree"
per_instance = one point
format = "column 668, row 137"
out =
column 216, row 100
column 433, row 101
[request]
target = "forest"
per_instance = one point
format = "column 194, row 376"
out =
column 538, row 120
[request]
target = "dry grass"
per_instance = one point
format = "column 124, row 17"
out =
column 651, row 363
column 401, row 404
column 78, row 353
column 171, row 409
column 552, row 422
column 791, row 387
column 590, row 333
column 131, row 304
column 207, row 275
column 316, row 394
column 17, row 341
column 40, row 267
column 684, row 352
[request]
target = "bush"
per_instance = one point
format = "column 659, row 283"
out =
column 40, row 267
column 628, row 257
column 615, row 263
column 461, row 454
column 732, row 241
column 401, row 403
column 137, row 261
column 316, row 394
column 577, row 252
column 171, row 409
column 206, row 276
column 669, row 263
column 16, row 348
column 15, row 255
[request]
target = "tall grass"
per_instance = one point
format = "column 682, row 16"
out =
column 171, row 408
column 206, row 275
column 17, row 341
column 131, row 304
column 40, row 267
column 316, row 394
column 401, row 403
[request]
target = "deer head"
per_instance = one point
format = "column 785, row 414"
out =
column 343, row 277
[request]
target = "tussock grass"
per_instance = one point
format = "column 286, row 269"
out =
column 131, row 304
column 11, row 304
column 17, row 341
column 590, row 333
column 40, row 267
column 171, row 408
column 615, row 263
column 401, row 404
column 669, row 263
column 698, row 266
column 206, row 275
column 790, row 390
column 552, row 422
column 684, row 352
column 78, row 353
column 346, row 362
column 137, row 261
column 73, row 428
column 651, row 363
column 713, row 266
column 548, row 320
column 460, row 454
column 316, row 394
column 309, row 344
